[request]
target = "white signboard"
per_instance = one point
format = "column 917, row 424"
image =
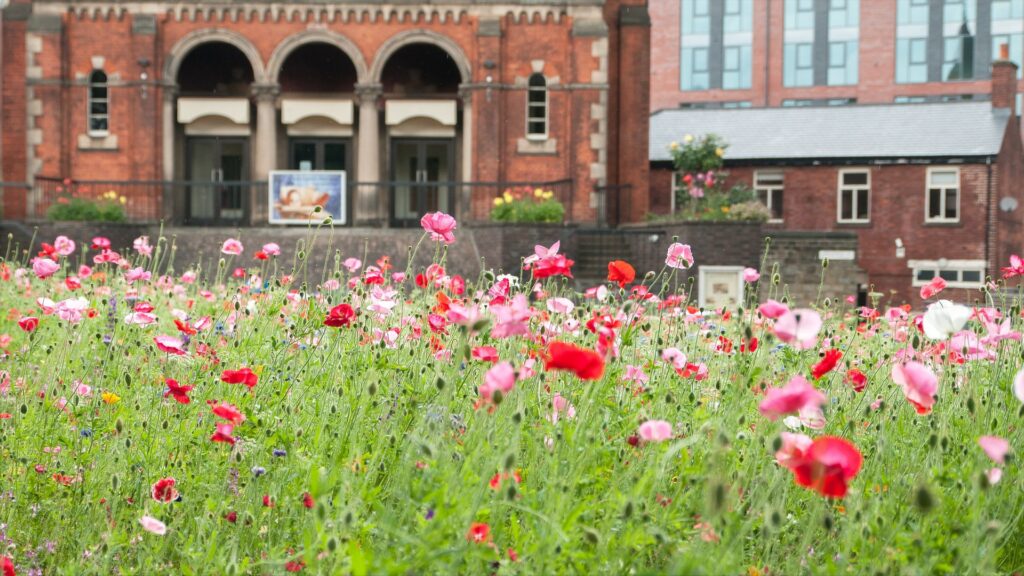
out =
column 295, row 196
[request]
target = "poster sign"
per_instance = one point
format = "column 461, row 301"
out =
column 720, row 286
column 295, row 195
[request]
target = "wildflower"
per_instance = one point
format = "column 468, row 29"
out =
column 620, row 272
column 352, row 264
column 142, row 246
column 271, row 249
column 100, row 243
column 240, row 376
column 1018, row 385
column 28, row 323
column 307, row 500
column 180, row 393
column 857, row 379
column 586, row 364
column 919, row 384
column 944, row 318
column 153, row 525
column 223, row 433
column 232, row 247
column 226, row 411
column 772, row 309
column 796, row 395
column 44, row 267
column 995, row 448
column 1016, row 267
column 440, row 226
column 826, row 364
column 654, row 431
column 560, row 305
column 8, row 566
column 64, row 246
column 825, row 465
column 163, row 490
column 340, row 316
column 932, row 288
column 679, row 256
column 170, row 345
column 798, row 328
column 479, row 533
column 499, row 378
column 110, row 398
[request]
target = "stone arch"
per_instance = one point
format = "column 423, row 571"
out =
column 285, row 48
column 403, row 39
column 191, row 40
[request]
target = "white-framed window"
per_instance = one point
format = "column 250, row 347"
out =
column 98, row 104
column 854, row 199
column 720, row 286
column 537, row 108
column 677, row 185
column 956, row 273
column 942, row 200
column 769, row 188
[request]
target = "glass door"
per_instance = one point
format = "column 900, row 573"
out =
column 422, row 172
column 319, row 154
column 216, row 174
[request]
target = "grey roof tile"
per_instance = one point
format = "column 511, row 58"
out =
column 946, row 129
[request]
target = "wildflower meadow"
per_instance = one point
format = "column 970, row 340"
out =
column 251, row 417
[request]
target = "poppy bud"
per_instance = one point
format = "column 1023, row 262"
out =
column 924, row 501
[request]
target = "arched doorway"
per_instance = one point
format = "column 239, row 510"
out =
column 212, row 132
column 420, row 83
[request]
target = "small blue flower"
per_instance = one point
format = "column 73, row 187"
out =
column 280, row 452
column 258, row 471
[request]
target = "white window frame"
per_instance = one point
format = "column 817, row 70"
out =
column 942, row 197
column 770, row 190
column 702, row 277
column 90, row 100
column 854, row 188
column 545, row 106
column 677, row 185
column 943, row 265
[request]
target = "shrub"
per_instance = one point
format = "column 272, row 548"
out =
column 523, row 204
column 107, row 208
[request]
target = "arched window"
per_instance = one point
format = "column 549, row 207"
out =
column 99, row 104
column 537, row 108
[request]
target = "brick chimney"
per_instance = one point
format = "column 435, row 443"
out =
column 1004, row 81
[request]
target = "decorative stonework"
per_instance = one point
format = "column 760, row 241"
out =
column 34, row 106
column 343, row 43
column 545, row 147
column 599, row 117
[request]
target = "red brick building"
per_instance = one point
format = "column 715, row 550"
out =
column 185, row 107
column 933, row 189
column 765, row 53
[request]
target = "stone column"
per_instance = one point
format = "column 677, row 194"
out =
column 464, row 196
column 167, row 131
column 265, row 157
column 371, row 201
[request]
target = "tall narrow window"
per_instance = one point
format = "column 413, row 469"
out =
column 769, row 188
column 854, row 196
column 537, row 108
column 943, row 195
column 99, row 104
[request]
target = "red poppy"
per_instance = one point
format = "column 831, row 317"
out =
column 223, row 433
column 180, row 393
column 479, row 533
column 826, row 364
column 857, row 379
column 226, row 411
column 485, row 353
column 184, row 328
column 28, row 323
column 8, row 567
column 231, row 516
column 307, row 500
column 458, row 285
column 621, row 272
column 294, row 566
column 267, row 501
column 261, row 255
column 826, row 466
column 240, row 376
column 340, row 316
column 163, row 490
column 72, row 283
column 557, row 265
column 586, row 364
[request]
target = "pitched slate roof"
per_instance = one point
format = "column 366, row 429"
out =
column 942, row 129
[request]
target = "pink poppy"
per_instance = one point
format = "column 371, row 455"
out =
column 797, row 395
column 919, row 384
column 500, row 378
column 352, row 264
column 223, row 433
column 675, row 357
column 142, row 246
column 560, row 305
column 793, row 448
column 655, row 431
column 799, row 328
column 44, row 267
column 751, row 275
column 932, row 288
column 170, row 345
column 64, row 246
column 232, row 247
column 1018, row 385
column 541, row 253
column 150, row 524
column 440, row 226
column 772, row 309
column 679, row 256
column 271, row 249
column 995, row 448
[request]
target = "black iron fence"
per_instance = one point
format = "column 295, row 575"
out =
column 230, row 203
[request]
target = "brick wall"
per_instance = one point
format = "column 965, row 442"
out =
column 897, row 211
column 804, row 279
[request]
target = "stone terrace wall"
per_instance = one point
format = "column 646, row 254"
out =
column 797, row 257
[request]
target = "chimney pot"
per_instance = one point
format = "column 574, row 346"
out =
column 1004, row 81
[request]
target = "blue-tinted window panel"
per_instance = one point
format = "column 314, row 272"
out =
column 912, row 12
